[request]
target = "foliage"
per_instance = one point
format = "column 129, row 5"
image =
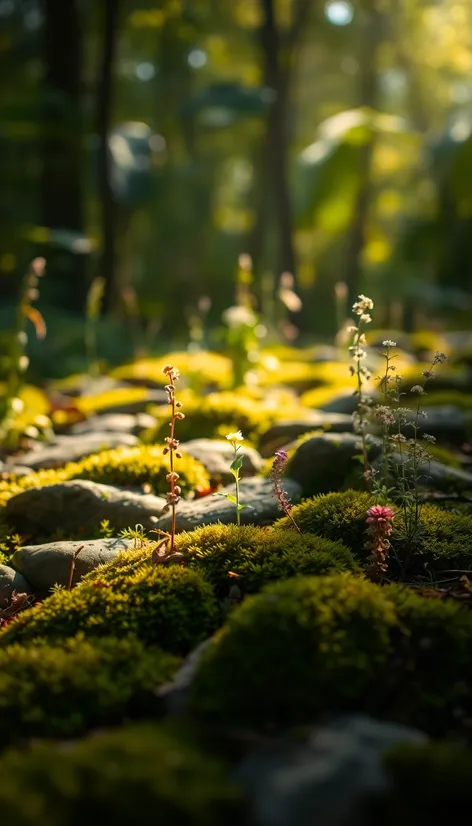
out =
column 62, row 690
column 167, row 606
column 136, row 771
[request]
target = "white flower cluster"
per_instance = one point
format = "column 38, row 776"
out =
column 362, row 308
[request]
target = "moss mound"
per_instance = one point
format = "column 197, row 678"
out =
column 259, row 556
column 60, row 691
column 138, row 773
column 172, row 607
column 299, row 648
column 445, row 541
column 310, row 646
column 124, row 466
column 216, row 415
column 429, row 784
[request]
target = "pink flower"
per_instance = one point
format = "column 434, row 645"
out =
column 379, row 514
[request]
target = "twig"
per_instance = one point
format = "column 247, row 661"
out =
column 72, row 566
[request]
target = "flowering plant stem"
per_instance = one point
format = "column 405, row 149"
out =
column 235, row 468
column 172, row 444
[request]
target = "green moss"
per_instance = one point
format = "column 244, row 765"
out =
column 215, row 415
column 433, row 653
column 299, row 648
column 259, row 556
column 310, row 646
column 445, row 541
column 429, row 784
column 171, row 607
column 140, row 773
column 203, row 368
column 125, row 466
column 62, row 690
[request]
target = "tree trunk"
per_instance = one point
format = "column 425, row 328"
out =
column 370, row 40
column 104, row 161
column 61, row 202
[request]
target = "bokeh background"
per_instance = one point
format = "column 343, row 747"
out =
column 151, row 143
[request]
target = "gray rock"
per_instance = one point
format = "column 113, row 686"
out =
column 175, row 693
column 11, row 580
column 346, row 403
column 437, row 476
column 325, row 780
column 282, row 433
column 323, row 462
column 262, row 508
column 80, row 505
column 115, row 423
column 216, row 456
column 73, row 448
column 444, row 422
column 47, row 565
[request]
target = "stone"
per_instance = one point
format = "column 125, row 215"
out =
column 282, row 433
column 115, row 423
column 437, row 476
column 73, row 448
column 256, row 493
column 324, row 777
column 11, row 580
column 175, row 693
column 47, row 565
column 344, row 402
column 80, row 506
column 323, row 462
column 445, row 422
column 216, row 456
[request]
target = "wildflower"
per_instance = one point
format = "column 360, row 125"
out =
column 352, row 329
column 276, row 475
column 429, row 374
column 362, row 305
column 439, row 358
column 379, row 514
column 384, row 414
column 235, row 437
column 428, row 438
column 389, row 343
column 379, row 521
column 418, row 389
column 366, row 318
column 239, row 316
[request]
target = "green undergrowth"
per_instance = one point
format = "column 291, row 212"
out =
column 313, row 645
column 172, row 607
column 139, row 773
column 445, row 541
column 62, row 690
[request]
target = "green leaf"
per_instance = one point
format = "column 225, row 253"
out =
column 237, row 463
column 240, row 507
column 229, row 496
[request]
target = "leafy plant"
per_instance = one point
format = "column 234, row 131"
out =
column 235, row 467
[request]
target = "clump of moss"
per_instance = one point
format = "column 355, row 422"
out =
column 203, row 369
column 125, row 466
column 172, row 607
column 258, row 556
column 217, row 414
column 445, row 539
column 299, row 648
column 308, row 646
column 429, row 783
column 63, row 690
column 138, row 773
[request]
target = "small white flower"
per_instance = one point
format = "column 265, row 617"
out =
column 389, row 343
column 418, row 389
column 239, row 316
column 352, row 329
column 235, row 437
column 366, row 318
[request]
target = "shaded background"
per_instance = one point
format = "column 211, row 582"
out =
column 151, row 142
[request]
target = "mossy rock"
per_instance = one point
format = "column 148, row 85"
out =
column 297, row 649
column 126, row 467
column 444, row 543
column 138, row 773
column 310, row 646
column 203, row 369
column 217, row 414
column 428, row 784
column 63, row 690
column 172, row 607
column 258, row 556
